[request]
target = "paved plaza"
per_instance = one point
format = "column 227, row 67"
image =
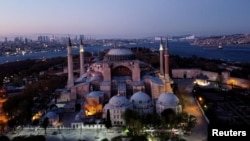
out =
column 70, row 134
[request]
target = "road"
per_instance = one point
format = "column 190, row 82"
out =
column 198, row 133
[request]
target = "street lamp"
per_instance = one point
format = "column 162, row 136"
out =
column 200, row 99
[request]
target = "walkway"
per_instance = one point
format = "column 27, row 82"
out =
column 199, row 133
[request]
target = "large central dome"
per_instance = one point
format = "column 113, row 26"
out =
column 119, row 54
column 120, row 51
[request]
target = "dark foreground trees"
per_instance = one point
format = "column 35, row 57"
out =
column 45, row 124
column 108, row 123
column 136, row 124
column 30, row 138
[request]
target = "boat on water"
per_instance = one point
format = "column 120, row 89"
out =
column 220, row 47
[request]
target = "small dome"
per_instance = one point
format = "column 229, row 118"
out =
column 119, row 101
column 53, row 118
column 51, row 115
column 95, row 94
column 120, row 51
column 140, row 97
column 168, row 99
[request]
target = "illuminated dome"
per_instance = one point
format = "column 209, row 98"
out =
column 168, row 99
column 117, row 105
column 142, row 103
column 118, row 54
column 140, row 98
column 118, row 101
column 53, row 118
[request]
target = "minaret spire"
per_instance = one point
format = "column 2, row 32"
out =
column 115, row 46
column 69, row 42
column 161, row 58
column 168, row 87
column 70, row 82
column 82, row 70
column 166, row 61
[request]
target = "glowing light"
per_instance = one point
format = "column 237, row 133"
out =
column 37, row 116
column 201, row 82
column 205, row 106
column 81, row 50
column 3, row 117
column 89, row 113
column 200, row 98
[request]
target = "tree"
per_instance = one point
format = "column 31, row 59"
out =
column 45, row 124
column 191, row 123
column 12, row 123
column 169, row 116
column 128, row 115
column 155, row 120
column 133, row 121
column 4, row 138
column 105, row 139
column 108, row 123
column 29, row 138
column 35, row 122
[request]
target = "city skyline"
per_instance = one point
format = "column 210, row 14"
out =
column 124, row 19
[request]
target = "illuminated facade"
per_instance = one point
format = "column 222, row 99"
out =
column 121, row 77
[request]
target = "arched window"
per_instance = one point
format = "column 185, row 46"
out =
column 121, row 71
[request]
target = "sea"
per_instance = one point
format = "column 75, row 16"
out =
column 232, row 53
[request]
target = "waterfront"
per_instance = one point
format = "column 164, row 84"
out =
column 239, row 53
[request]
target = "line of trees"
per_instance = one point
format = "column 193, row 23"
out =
column 20, row 107
column 136, row 123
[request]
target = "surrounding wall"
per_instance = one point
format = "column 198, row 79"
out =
column 212, row 76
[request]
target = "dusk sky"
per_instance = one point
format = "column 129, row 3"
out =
column 125, row 18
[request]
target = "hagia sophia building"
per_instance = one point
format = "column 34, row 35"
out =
column 118, row 82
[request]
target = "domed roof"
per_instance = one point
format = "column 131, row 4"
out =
column 168, row 99
column 140, row 97
column 119, row 101
column 51, row 115
column 120, row 51
column 95, row 94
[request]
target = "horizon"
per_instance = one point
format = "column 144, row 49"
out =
column 34, row 36
column 124, row 19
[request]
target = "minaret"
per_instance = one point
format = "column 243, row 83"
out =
column 161, row 58
column 82, row 70
column 168, row 87
column 70, row 82
column 166, row 62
